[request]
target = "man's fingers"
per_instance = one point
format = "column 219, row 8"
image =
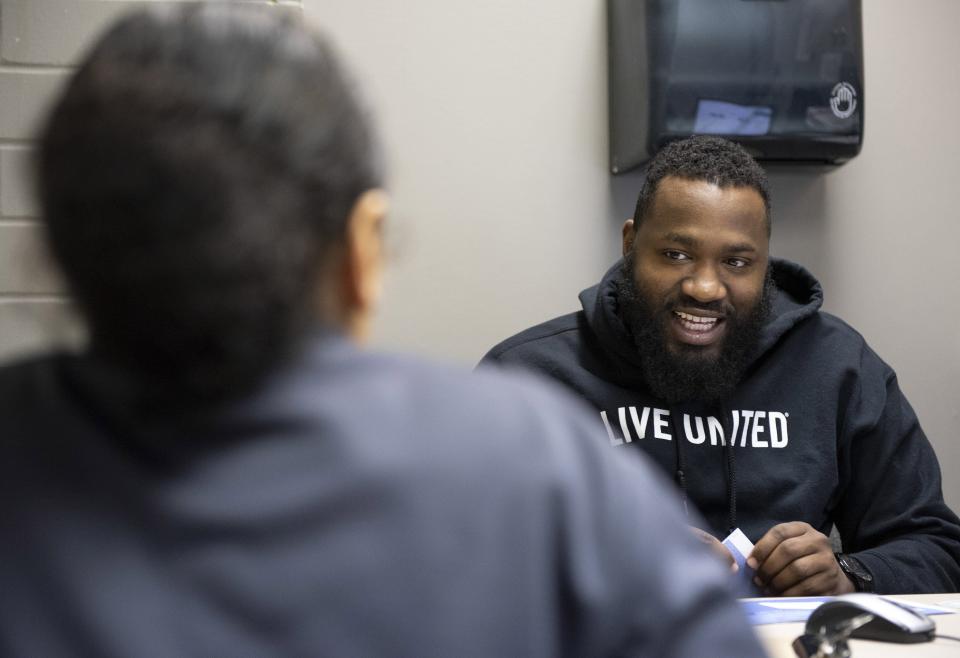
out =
column 786, row 553
column 716, row 546
column 802, row 572
column 773, row 538
column 825, row 577
column 817, row 585
column 702, row 535
column 798, row 563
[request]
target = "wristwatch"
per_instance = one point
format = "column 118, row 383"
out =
column 862, row 579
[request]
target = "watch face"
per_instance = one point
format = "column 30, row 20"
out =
column 852, row 567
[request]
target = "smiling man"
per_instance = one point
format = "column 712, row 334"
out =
column 699, row 291
column 770, row 415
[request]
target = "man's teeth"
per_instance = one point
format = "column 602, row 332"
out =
column 695, row 322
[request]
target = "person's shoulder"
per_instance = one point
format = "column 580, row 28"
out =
column 506, row 407
column 836, row 341
column 834, row 330
column 21, row 377
column 536, row 336
column 513, row 393
column 834, row 324
column 485, row 429
column 31, row 406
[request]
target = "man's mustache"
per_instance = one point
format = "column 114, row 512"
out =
column 690, row 304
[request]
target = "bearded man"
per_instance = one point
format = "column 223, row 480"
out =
column 772, row 416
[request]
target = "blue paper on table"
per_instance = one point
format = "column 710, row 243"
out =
column 798, row 608
column 781, row 610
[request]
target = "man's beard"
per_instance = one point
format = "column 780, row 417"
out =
column 690, row 374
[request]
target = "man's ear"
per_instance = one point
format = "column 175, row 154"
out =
column 362, row 275
column 628, row 236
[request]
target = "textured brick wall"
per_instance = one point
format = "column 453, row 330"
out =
column 40, row 42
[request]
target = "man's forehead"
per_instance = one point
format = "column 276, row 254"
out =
column 678, row 191
column 684, row 205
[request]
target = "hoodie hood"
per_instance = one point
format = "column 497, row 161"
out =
column 797, row 296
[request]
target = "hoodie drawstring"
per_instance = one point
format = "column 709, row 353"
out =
column 730, row 472
column 681, row 477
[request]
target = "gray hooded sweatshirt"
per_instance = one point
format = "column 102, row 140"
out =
column 355, row 505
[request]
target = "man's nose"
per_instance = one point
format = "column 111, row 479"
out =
column 704, row 285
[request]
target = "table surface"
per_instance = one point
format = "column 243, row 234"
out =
column 778, row 638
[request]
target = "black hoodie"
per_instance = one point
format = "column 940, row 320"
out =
column 821, row 431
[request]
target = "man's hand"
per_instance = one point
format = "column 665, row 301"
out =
column 793, row 559
column 717, row 547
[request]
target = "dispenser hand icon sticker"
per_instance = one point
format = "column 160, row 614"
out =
column 843, row 100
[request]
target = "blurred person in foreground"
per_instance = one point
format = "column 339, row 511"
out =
column 223, row 472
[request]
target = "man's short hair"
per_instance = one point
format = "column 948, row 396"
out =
column 704, row 158
column 194, row 176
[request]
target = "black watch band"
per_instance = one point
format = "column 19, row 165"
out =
column 862, row 579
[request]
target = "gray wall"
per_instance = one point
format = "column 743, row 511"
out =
column 495, row 116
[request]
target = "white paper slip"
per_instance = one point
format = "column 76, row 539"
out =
column 740, row 546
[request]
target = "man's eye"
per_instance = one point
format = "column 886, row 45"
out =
column 675, row 255
column 737, row 263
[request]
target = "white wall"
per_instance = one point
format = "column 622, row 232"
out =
column 495, row 117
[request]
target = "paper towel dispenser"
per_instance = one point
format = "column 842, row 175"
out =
column 784, row 78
